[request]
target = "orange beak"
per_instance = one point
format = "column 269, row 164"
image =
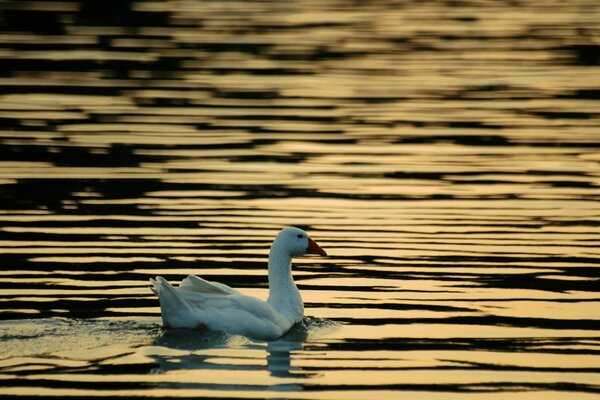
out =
column 314, row 248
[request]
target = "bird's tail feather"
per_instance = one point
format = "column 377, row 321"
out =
column 155, row 286
column 175, row 311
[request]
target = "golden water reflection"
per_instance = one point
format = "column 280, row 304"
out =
column 445, row 154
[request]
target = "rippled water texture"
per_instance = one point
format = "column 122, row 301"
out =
column 446, row 154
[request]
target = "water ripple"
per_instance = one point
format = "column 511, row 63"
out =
column 444, row 153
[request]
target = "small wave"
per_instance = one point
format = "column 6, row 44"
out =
column 310, row 327
column 191, row 339
column 49, row 336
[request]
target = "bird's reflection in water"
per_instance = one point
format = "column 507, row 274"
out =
column 279, row 358
column 187, row 349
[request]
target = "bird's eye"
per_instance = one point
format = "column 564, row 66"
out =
column 300, row 236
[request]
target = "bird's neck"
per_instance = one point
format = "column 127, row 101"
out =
column 284, row 296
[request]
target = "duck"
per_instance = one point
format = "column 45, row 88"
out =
column 201, row 304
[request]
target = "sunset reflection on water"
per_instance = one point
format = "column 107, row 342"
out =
column 446, row 156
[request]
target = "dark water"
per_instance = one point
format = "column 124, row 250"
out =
column 446, row 154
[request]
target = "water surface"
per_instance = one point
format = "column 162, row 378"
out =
column 445, row 154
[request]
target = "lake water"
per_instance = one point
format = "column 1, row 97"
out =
column 446, row 154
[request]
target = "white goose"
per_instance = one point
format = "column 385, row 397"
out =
column 198, row 303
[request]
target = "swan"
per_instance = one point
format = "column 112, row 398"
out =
column 198, row 303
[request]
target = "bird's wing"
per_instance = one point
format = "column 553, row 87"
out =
column 237, row 313
column 199, row 302
column 196, row 284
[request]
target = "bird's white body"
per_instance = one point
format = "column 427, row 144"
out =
column 215, row 306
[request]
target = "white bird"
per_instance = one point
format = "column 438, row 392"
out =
column 198, row 303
